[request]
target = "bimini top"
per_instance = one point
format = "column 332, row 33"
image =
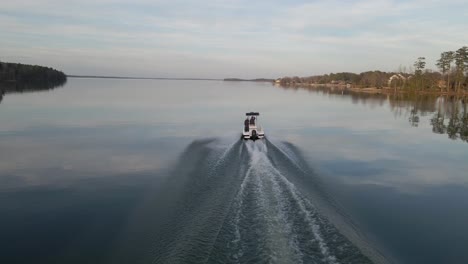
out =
column 252, row 114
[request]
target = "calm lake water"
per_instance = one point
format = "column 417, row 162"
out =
column 153, row 171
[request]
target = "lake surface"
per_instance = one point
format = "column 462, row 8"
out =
column 153, row 171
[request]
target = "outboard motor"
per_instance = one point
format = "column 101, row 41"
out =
column 254, row 134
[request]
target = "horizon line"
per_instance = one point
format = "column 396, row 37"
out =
column 139, row 78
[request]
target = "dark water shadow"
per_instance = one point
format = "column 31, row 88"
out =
column 74, row 223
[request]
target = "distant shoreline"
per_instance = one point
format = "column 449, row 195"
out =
column 141, row 78
column 248, row 80
column 18, row 77
column 168, row 78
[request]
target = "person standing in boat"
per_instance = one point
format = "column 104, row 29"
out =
column 246, row 124
column 252, row 120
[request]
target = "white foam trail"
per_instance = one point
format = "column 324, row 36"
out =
column 283, row 239
column 259, row 154
column 238, row 202
column 310, row 219
column 256, row 186
column 287, row 226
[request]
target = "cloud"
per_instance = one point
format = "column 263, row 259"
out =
column 235, row 38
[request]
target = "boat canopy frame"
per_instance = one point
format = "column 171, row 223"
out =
column 252, row 114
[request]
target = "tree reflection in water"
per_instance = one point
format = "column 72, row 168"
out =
column 449, row 113
column 21, row 87
column 451, row 118
column 457, row 127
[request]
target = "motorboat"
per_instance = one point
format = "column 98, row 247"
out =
column 252, row 129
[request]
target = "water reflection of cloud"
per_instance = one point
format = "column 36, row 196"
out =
column 34, row 158
column 404, row 161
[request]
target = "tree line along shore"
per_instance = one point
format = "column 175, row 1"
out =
column 452, row 77
column 20, row 77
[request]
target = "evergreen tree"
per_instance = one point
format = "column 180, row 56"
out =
column 461, row 63
column 419, row 66
column 444, row 64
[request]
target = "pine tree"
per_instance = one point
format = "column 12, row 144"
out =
column 419, row 66
column 444, row 63
column 461, row 63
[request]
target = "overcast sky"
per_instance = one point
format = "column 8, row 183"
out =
column 237, row 38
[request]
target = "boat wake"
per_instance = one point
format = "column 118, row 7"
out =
column 240, row 204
